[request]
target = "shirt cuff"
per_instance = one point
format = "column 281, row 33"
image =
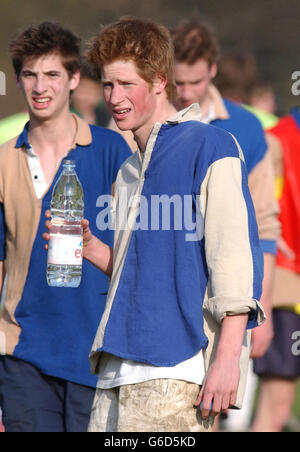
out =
column 220, row 307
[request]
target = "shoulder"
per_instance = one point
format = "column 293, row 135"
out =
column 7, row 147
column 243, row 124
column 208, row 134
column 108, row 135
column 203, row 143
column 110, row 142
column 239, row 113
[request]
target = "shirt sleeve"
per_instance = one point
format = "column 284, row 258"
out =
column 233, row 252
column 262, row 189
column 2, row 234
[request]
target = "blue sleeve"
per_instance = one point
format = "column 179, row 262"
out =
column 269, row 246
column 2, row 234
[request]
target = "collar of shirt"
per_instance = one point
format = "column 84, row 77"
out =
column 217, row 108
column 191, row 113
column 83, row 136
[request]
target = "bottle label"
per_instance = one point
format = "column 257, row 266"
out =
column 65, row 249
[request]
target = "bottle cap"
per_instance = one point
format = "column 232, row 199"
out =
column 69, row 163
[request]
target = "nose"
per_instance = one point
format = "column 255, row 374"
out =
column 40, row 85
column 184, row 92
column 116, row 95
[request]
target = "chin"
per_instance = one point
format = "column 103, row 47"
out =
column 123, row 126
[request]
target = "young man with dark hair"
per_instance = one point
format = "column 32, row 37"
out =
column 46, row 333
column 151, row 349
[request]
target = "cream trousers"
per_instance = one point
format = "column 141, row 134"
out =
column 160, row 405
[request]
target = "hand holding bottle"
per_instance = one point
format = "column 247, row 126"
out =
column 64, row 265
column 93, row 249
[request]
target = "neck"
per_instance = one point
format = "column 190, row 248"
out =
column 205, row 105
column 164, row 111
column 56, row 134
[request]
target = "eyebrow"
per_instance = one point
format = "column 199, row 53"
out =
column 50, row 71
column 190, row 81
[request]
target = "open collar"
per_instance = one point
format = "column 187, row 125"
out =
column 83, row 136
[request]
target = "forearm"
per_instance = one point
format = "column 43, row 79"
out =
column 232, row 336
column 100, row 255
column 269, row 268
column 220, row 386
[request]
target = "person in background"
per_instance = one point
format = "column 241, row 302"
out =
column 196, row 66
column 149, row 349
column 279, row 368
column 87, row 99
column 238, row 79
column 262, row 97
column 46, row 333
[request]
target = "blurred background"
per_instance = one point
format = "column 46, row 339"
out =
column 267, row 28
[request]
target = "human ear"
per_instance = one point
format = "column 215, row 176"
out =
column 213, row 70
column 159, row 84
column 74, row 80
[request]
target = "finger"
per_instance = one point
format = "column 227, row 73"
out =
column 199, row 398
column 48, row 224
column 225, row 402
column 46, row 236
column 206, row 406
column 233, row 398
column 216, row 406
column 48, row 214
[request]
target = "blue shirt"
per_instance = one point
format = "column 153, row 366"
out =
column 58, row 324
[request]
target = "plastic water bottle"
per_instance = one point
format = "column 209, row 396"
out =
column 64, row 266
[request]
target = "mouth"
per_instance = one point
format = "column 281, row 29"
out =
column 120, row 113
column 41, row 103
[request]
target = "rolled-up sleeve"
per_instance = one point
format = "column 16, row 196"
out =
column 233, row 252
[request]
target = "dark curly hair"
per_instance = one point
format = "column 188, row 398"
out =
column 43, row 39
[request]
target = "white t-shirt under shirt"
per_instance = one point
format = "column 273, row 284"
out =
column 115, row 371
